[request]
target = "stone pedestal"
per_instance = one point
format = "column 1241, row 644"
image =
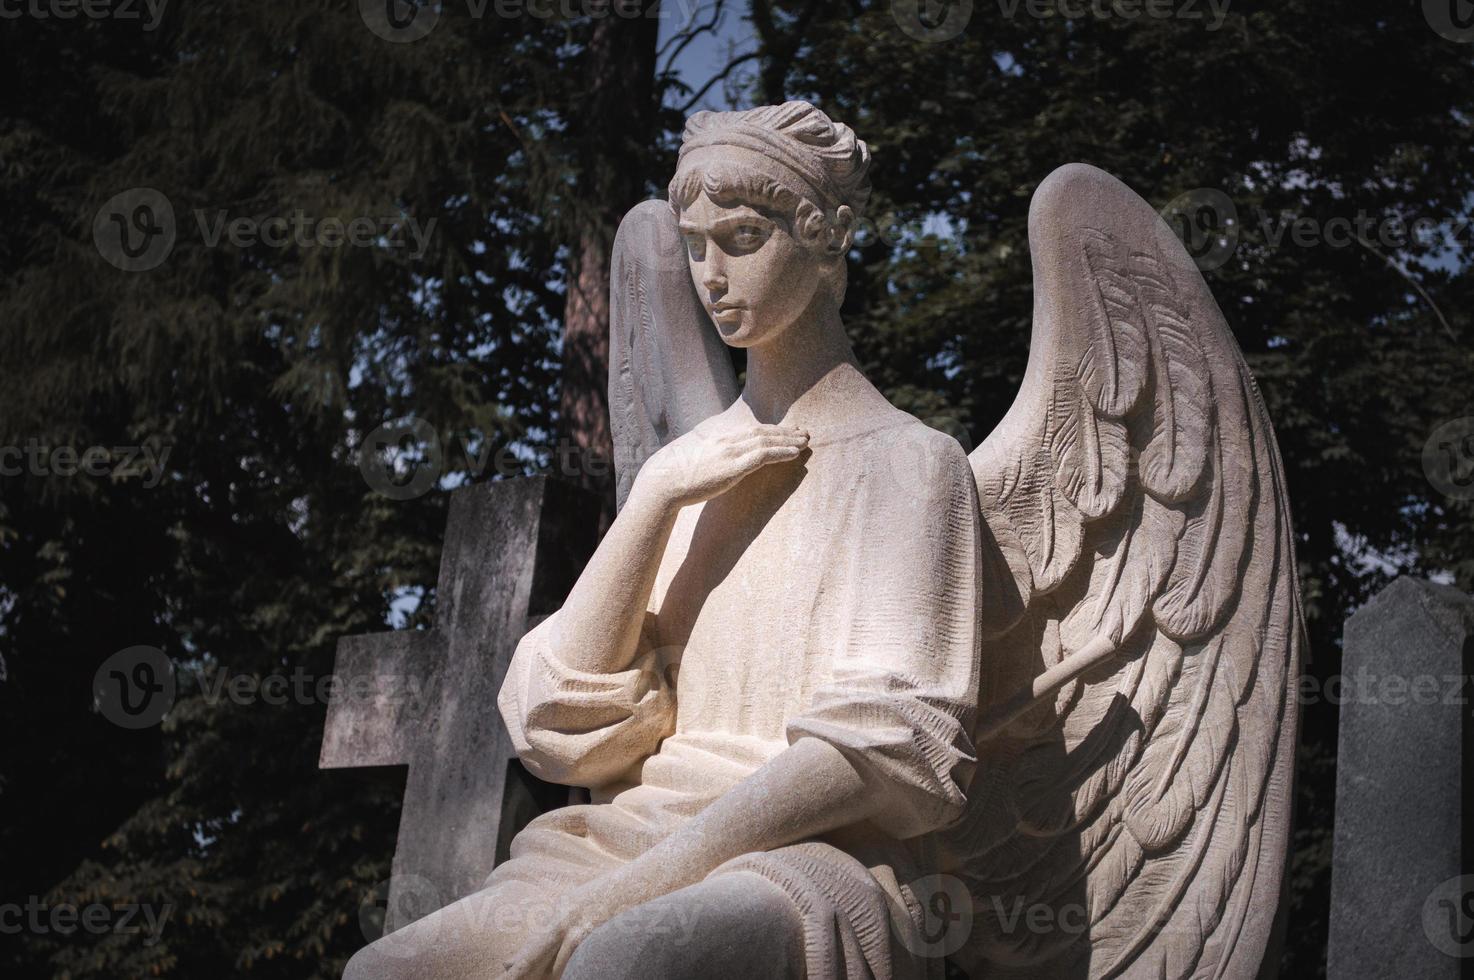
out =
column 1400, row 901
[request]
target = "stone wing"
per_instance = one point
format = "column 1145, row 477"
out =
column 668, row 368
column 1130, row 812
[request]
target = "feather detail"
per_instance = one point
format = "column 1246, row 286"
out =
column 1130, row 567
column 1208, row 572
column 1152, row 786
column 1174, row 461
column 1091, row 456
column 1113, row 365
column 1176, row 774
column 1055, row 798
column 1169, row 880
column 1006, row 563
column 1046, row 523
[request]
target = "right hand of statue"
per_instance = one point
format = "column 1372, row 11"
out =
column 707, row 462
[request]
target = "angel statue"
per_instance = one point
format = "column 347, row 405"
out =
column 852, row 703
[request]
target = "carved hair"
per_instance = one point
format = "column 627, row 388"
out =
column 829, row 184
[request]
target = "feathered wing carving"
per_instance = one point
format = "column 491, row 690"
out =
column 1136, row 821
column 668, row 368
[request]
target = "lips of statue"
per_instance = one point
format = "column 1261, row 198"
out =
column 753, row 277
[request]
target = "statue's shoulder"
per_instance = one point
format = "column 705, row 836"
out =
column 903, row 435
column 918, row 460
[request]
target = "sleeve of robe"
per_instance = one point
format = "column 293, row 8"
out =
column 902, row 696
column 585, row 729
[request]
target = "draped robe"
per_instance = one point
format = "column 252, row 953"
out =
column 835, row 598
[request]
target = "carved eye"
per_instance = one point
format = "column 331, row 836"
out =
column 747, row 237
column 695, row 244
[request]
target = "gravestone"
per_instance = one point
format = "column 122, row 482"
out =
column 513, row 549
column 1401, row 892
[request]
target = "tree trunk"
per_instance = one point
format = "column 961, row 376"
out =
column 615, row 136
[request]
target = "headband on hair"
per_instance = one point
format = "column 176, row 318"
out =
column 787, row 151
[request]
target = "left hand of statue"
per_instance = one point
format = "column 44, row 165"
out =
column 547, row 950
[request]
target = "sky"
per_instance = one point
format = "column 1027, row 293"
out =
column 705, row 56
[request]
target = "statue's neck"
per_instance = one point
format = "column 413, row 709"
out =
column 796, row 376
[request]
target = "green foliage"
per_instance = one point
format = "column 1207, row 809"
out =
column 259, row 368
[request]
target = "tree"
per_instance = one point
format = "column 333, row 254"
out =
column 616, row 126
column 260, row 355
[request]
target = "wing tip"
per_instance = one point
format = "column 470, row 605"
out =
column 648, row 236
column 1065, row 184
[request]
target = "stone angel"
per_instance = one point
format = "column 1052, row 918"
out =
column 851, row 702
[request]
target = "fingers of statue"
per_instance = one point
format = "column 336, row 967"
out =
column 537, row 956
column 741, row 451
column 704, row 464
column 765, row 444
column 571, row 941
column 546, row 952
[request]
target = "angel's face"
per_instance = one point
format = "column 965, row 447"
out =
column 752, row 275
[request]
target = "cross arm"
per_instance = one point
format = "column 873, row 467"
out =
column 387, row 686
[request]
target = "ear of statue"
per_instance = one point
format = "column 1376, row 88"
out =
column 841, row 235
column 842, row 230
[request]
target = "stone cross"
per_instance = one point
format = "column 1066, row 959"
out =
column 1402, row 892
column 513, row 549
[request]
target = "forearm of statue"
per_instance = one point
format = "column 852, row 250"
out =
column 598, row 628
column 808, row 789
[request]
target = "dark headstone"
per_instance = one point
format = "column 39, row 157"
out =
column 1401, row 894
column 427, row 699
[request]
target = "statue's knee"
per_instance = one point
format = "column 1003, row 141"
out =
column 625, row 948
column 403, row 955
column 736, row 925
column 369, row 964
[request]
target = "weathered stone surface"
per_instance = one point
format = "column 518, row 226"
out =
column 1401, row 785
column 1029, row 708
column 512, row 548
